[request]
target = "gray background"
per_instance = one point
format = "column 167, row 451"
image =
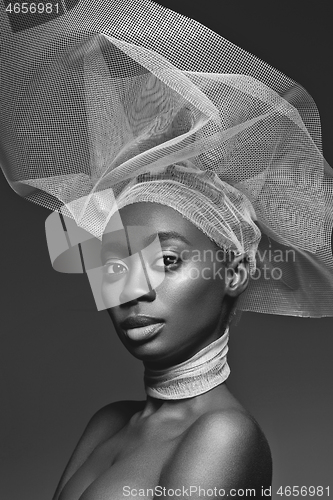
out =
column 60, row 359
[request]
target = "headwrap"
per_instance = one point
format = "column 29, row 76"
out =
column 115, row 102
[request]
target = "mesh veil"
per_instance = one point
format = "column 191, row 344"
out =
column 114, row 90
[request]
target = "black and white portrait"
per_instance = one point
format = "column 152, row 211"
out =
column 167, row 269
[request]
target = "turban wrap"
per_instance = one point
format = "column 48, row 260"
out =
column 115, row 102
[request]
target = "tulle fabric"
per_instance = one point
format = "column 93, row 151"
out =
column 112, row 90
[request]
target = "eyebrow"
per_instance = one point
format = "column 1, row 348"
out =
column 115, row 246
column 167, row 235
column 118, row 247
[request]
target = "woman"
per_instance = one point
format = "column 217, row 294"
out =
column 179, row 127
column 182, row 437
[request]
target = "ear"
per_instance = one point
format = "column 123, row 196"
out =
column 237, row 276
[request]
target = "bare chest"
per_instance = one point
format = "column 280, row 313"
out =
column 126, row 466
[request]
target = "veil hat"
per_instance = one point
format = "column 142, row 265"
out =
column 116, row 102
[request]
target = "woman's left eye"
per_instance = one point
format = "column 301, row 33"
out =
column 167, row 261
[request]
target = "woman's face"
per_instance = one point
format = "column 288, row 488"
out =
column 163, row 324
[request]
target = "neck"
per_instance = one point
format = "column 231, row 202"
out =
column 207, row 369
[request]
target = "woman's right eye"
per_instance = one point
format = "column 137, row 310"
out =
column 115, row 268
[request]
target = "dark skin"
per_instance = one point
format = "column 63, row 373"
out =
column 208, row 441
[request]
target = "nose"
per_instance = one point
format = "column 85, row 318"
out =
column 137, row 286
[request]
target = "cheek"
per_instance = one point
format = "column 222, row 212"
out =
column 112, row 312
column 197, row 289
column 111, row 292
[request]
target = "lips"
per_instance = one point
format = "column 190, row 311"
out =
column 141, row 328
column 139, row 321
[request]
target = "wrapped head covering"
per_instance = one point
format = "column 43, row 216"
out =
column 114, row 102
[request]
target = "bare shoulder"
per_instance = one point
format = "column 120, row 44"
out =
column 111, row 418
column 223, row 449
column 232, row 428
column 104, row 424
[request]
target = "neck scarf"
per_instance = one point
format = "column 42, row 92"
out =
column 197, row 375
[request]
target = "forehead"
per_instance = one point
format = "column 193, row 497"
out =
column 149, row 219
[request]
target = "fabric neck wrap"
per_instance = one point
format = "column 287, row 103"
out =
column 205, row 370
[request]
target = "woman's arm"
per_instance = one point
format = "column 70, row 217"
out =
column 103, row 425
column 222, row 451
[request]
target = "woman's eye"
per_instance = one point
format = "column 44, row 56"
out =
column 115, row 268
column 167, row 261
